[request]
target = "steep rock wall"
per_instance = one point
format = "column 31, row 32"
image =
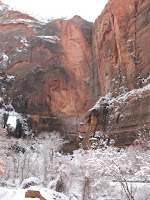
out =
column 120, row 45
column 121, row 49
column 51, row 67
column 60, row 70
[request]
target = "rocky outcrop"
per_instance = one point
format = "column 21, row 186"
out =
column 34, row 194
column 56, row 71
column 121, row 57
column 51, row 68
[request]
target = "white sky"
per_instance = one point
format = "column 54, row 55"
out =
column 87, row 9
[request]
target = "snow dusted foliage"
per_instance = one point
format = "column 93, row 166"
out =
column 30, row 158
column 101, row 170
column 101, row 174
column 52, row 141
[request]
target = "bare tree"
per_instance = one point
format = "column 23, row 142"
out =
column 51, row 142
column 117, row 173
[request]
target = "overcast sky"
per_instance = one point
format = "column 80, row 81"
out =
column 87, row 9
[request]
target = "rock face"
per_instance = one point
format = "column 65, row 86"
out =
column 61, row 69
column 34, row 194
column 51, row 66
column 121, row 48
column 120, row 45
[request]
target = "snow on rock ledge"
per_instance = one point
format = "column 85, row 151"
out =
column 121, row 98
column 52, row 39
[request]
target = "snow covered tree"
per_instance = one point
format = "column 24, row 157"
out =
column 51, row 142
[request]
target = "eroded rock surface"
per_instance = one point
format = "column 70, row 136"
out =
column 60, row 69
column 51, row 67
column 121, row 48
column 120, row 45
column 34, row 194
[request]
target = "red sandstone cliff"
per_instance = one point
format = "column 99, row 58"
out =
column 121, row 49
column 51, row 65
column 120, row 45
column 61, row 70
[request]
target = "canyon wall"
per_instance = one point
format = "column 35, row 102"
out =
column 121, row 49
column 50, row 63
column 55, row 72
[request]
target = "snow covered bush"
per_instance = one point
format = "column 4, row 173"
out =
column 32, row 158
column 32, row 181
column 107, row 173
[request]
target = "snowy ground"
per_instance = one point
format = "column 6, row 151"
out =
column 19, row 194
column 11, row 194
column 141, row 191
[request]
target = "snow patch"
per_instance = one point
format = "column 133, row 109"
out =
column 3, row 9
column 130, row 40
column 10, row 78
column 21, row 50
column 24, row 41
column 105, row 99
column 132, row 54
column 1, row 100
column 12, row 121
column 50, row 194
column 49, row 37
column 16, row 21
column 145, row 80
column 29, row 182
column 5, row 61
column 52, row 39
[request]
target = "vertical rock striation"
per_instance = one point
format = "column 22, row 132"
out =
column 120, row 45
column 121, row 49
column 61, row 69
column 51, row 65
